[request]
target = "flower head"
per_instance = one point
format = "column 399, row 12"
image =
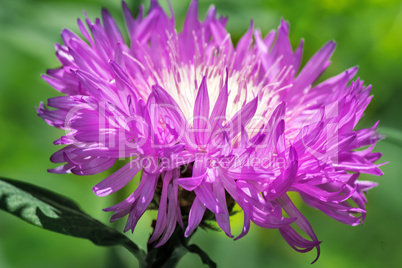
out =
column 210, row 124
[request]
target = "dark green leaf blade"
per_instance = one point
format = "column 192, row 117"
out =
column 57, row 213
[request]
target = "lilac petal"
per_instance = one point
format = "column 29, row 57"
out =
column 269, row 39
column 314, row 67
column 89, row 82
column 111, row 28
column 63, row 141
column 58, row 157
column 201, row 113
column 278, row 114
column 191, row 22
column 64, row 169
column 273, row 128
column 161, row 218
column 101, row 41
column 318, row 193
column 280, row 137
column 64, row 56
column 242, row 117
column 283, row 182
column 297, row 242
column 219, row 111
column 247, row 193
column 191, row 183
column 222, row 218
column 118, row 71
column 196, row 213
column 297, row 56
column 360, row 166
column 190, row 33
column 229, row 184
column 200, row 166
column 282, row 47
column 144, row 30
column 64, row 86
column 84, row 32
column 171, row 219
column 343, row 212
column 207, row 197
column 62, row 102
column 81, row 52
column 93, row 166
column 54, row 118
column 128, row 201
column 68, row 35
column 142, row 202
column 118, row 179
column 364, row 186
column 130, row 21
column 270, row 218
column 322, row 91
column 220, row 36
column 247, row 216
column 302, row 222
column 248, row 174
column 169, row 106
column 242, row 47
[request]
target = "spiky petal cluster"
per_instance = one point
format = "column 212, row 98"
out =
column 209, row 123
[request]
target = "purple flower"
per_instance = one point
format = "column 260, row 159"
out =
column 210, row 124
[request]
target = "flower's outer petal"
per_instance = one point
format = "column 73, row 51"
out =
column 297, row 56
column 282, row 47
column 169, row 107
column 142, row 201
column 161, row 218
column 131, row 23
column 64, row 169
column 207, row 197
column 190, row 32
column 92, row 166
column 55, row 118
column 294, row 239
column 330, row 89
column 242, row 48
column 221, row 37
column 196, row 213
column 247, row 209
column 222, row 218
column 249, row 174
column 192, row 182
column 172, row 216
column 118, row 179
column 111, row 28
column 312, row 70
column 283, row 182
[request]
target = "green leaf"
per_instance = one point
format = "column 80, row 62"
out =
column 54, row 212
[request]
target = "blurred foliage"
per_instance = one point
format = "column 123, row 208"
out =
column 368, row 33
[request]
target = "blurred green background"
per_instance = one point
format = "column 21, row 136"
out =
column 368, row 33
